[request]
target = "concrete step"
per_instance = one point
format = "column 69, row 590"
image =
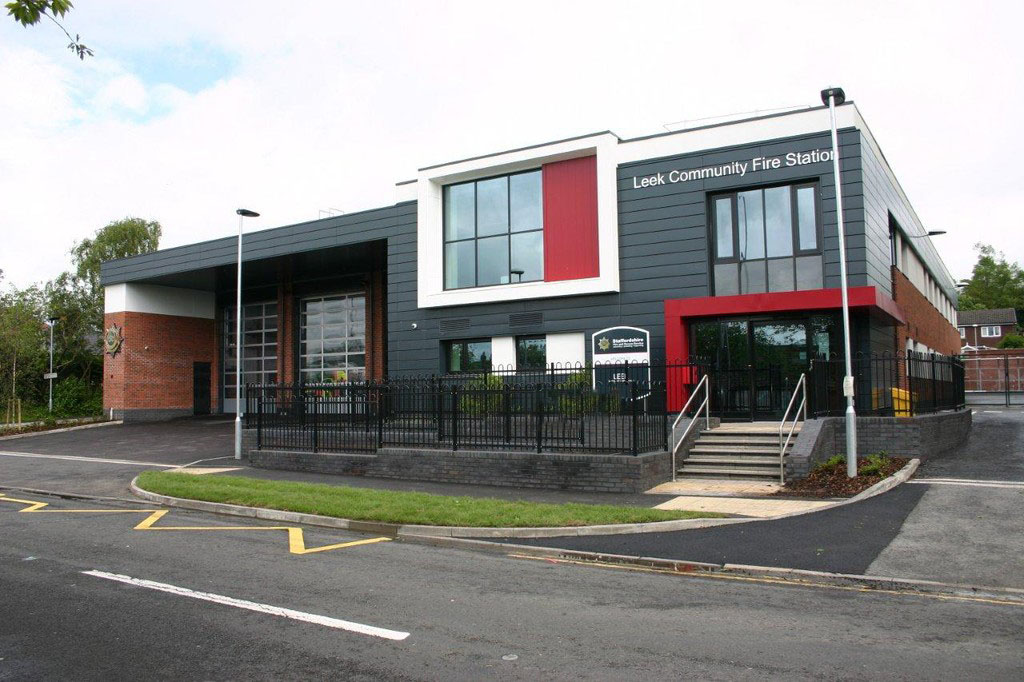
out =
column 727, row 472
column 739, row 438
column 747, row 433
column 700, row 448
column 743, row 461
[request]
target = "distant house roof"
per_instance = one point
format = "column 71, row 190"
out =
column 966, row 318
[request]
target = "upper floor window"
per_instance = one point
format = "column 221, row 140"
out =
column 963, row 332
column 990, row 332
column 767, row 239
column 494, row 231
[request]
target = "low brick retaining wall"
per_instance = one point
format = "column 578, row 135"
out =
column 922, row 436
column 592, row 473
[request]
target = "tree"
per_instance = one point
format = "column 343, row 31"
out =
column 31, row 12
column 994, row 283
column 22, row 344
column 1012, row 341
column 119, row 239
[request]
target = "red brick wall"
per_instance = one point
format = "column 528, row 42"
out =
column 287, row 364
column 376, row 335
column 925, row 324
column 154, row 368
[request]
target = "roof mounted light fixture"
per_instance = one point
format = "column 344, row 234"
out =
column 835, row 94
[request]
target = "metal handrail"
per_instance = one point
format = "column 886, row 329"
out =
column 704, row 406
column 801, row 388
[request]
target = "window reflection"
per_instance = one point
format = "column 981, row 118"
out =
column 775, row 230
column 493, row 231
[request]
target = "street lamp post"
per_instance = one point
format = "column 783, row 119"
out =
column 833, row 97
column 242, row 214
column 51, row 322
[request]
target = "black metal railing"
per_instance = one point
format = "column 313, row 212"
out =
column 485, row 412
column 603, row 409
column 902, row 385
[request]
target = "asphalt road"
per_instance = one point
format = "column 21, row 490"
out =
column 463, row 613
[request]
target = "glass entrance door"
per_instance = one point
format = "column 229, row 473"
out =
column 755, row 364
column 780, row 357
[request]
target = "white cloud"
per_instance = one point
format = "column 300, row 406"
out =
column 330, row 105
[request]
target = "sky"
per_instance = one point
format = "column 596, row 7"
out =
column 189, row 110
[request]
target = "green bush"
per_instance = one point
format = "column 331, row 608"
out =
column 832, row 462
column 72, row 397
column 577, row 397
column 482, row 396
column 873, row 465
column 1012, row 341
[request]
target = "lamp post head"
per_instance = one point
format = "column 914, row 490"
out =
column 246, row 213
column 935, row 233
column 833, row 93
column 50, row 321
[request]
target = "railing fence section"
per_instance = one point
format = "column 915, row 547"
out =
column 561, row 414
column 901, row 385
column 602, row 409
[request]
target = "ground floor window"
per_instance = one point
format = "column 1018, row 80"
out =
column 531, row 352
column 332, row 338
column 259, row 346
column 468, row 355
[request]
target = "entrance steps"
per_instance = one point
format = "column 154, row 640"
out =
column 749, row 450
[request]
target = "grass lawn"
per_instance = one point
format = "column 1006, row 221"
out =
column 367, row 504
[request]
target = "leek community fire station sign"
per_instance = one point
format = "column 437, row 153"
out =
column 617, row 348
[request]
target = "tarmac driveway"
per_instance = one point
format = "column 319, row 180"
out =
column 104, row 459
column 969, row 525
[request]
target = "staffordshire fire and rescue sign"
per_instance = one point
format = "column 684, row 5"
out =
column 617, row 348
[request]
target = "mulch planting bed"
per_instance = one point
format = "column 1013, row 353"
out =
column 831, row 481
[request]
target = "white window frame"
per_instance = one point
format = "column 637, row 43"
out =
column 430, row 182
column 987, row 333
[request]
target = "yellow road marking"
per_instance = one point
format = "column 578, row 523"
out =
column 771, row 581
column 296, row 538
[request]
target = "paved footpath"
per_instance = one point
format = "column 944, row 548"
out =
column 941, row 526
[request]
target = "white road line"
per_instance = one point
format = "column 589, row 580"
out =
column 969, row 482
column 255, row 606
column 74, row 458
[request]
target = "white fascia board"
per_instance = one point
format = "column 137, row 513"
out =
column 430, row 292
column 159, row 300
column 405, row 191
column 737, row 133
column 115, row 298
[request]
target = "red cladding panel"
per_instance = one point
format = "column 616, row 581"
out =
column 570, row 219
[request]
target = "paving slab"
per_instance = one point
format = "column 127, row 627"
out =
column 743, row 506
column 713, row 487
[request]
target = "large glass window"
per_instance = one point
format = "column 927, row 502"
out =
column 471, row 355
column 494, row 231
column 259, row 346
column 767, row 239
column 332, row 338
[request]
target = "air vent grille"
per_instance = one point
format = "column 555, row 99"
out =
column 454, row 326
column 525, row 319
